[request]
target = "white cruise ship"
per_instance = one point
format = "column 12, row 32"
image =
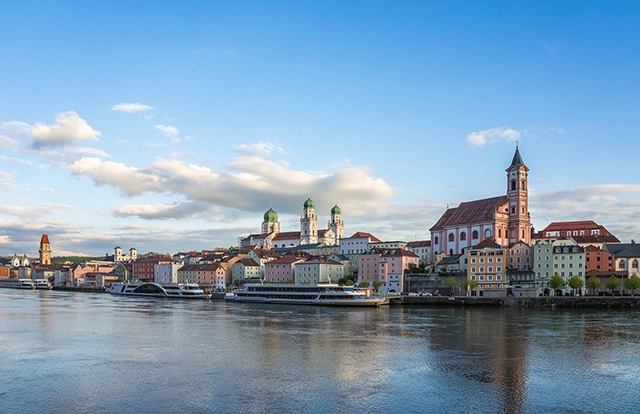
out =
column 328, row 295
column 17, row 283
column 180, row 290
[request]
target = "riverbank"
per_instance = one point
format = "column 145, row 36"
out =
column 79, row 289
column 604, row 302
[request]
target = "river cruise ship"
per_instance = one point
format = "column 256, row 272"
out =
column 179, row 290
column 329, row 294
column 17, row 283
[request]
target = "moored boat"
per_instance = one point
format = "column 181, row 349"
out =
column 43, row 284
column 326, row 295
column 179, row 290
column 17, row 283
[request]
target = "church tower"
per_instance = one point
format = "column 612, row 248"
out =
column 518, row 199
column 336, row 224
column 45, row 250
column 309, row 223
column 270, row 223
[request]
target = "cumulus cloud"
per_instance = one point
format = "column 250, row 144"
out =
column 67, row 128
column 131, row 107
column 259, row 149
column 168, row 130
column 250, row 183
column 482, row 138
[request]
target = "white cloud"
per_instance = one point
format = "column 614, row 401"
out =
column 259, row 149
column 492, row 135
column 67, row 128
column 131, row 107
column 5, row 240
column 167, row 130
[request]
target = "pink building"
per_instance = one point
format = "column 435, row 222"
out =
column 281, row 270
column 386, row 266
column 521, row 256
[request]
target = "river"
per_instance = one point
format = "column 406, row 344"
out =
column 64, row 352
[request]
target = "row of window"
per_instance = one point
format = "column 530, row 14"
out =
column 489, row 269
column 489, row 260
column 489, row 277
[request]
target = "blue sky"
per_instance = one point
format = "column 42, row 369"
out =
column 172, row 126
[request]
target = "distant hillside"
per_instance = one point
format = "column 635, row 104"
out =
column 75, row 259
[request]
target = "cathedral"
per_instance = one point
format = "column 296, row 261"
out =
column 504, row 219
column 271, row 236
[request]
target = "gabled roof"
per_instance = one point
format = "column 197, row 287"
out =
column 287, row 259
column 451, row 260
column 364, row 235
column 287, row 235
column 596, row 238
column 487, row 244
column 470, row 212
column 248, row 263
column 624, row 249
column 419, row 243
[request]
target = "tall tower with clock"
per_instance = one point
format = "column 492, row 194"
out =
column 518, row 200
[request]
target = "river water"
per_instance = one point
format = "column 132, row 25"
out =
column 64, row 352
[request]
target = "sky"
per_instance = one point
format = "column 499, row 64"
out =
column 173, row 126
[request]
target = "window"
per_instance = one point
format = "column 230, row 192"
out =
column 487, row 233
column 473, row 270
column 482, row 278
column 499, row 269
column 513, row 185
column 621, row 264
column 499, row 259
column 463, row 236
column 451, row 238
column 490, row 277
column 482, row 270
column 474, row 234
column 634, row 264
column 435, row 241
column 490, row 269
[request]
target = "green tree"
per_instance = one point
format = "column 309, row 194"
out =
column 633, row 283
column 593, row 283
column 376, row 285
column 468, row 284
column 612, row 283
column 557, row 282
column 576, row 283
column 349, row 282
column 363, row 284
column 450, row 283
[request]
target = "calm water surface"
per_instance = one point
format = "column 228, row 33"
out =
column 95, row 353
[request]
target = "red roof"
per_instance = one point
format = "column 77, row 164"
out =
column 44, row 239
column 419, row 243
column 470, row 212
column 363, row 235
column 487, row 244
column 287, row 235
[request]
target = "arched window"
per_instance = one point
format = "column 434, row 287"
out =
column 451, row 238
column 621, row 264
column 450, row 252
column 474, row 235
column 513, row 185
column 487, row 233
column 513, row 209
column 523, row 185
column 435, row 241
column 463, row 236
column 635, row 264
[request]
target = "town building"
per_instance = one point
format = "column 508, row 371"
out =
column 504, row 219
column 385, row 266
column 166, row 271
column 599, row 260
column 422, row 248
column 318, row 270
column 584, row 233
column 488, row 264
column 282, row 269
column 272, row 237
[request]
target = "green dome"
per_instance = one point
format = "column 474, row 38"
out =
column 336, row 210
column 309, row 203
column 270, row 216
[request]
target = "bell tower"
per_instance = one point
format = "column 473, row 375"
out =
column 518, row 199
column 309, row 223
column 45, row 250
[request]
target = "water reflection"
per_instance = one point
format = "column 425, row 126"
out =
column 98, row 353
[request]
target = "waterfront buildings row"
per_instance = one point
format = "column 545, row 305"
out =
column 490, row 242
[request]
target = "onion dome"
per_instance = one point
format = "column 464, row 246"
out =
column 309, row 203
column 336, row 210
column 271, row 216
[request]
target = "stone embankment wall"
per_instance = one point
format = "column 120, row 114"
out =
column 605, row 302
column 79, row 289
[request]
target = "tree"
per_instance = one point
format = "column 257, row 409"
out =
column 593, row 283
column 377, row 285
column 557, row 282
column 468, row 284
column 349, row 282
column 576, row 283
column 450, row 283
column 612, row 283
column 363, row 284
column 633, row 283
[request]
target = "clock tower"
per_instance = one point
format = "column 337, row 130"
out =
column 518, row 200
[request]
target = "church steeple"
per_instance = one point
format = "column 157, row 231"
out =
column 518, row 198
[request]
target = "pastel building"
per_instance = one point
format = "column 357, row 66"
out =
column 505, row 219
column 282, row 269
column 422, row 248
column 318, row 270
column 386, row 266
column 521, row 256
column 487, row 263
column 167, row 271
